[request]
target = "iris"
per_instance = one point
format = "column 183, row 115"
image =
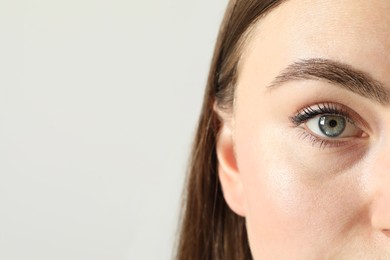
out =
column 332, row 125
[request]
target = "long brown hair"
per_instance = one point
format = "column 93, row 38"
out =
column 208, row 228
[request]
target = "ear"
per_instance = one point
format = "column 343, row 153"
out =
column 228, row 172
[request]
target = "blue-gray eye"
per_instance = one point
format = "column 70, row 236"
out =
column 332, row 125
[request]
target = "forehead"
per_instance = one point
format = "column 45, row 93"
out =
column 355, row 32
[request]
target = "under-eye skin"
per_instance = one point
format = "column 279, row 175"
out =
column 327, row 125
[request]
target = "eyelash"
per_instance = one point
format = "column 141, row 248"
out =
column 305, row 114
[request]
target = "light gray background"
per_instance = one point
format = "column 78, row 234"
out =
column 98, row 105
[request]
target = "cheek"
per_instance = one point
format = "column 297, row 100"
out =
column 296, row 203
column 273, row 196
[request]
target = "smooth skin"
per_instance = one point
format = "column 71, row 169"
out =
column 302, row 200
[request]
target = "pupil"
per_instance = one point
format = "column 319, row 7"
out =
column 333, row 123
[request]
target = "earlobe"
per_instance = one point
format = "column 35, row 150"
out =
column 228, row 171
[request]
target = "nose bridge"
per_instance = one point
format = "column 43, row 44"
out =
column 380, row 187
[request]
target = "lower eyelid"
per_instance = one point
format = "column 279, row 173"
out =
column 315, row 141
column 322, row 143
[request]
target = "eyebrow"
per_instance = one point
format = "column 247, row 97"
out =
column 336, row 73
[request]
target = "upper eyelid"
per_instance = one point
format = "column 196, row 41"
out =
column 325, row 108
column 308, row 112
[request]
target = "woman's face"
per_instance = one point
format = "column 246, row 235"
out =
column 310, row 170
